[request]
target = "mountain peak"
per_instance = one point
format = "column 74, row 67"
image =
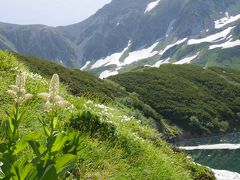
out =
column 152, row 27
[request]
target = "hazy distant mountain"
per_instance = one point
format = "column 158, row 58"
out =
column 129, row 33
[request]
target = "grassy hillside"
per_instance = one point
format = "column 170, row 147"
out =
column 81, row 83
column 88, row 140
column 200, row 101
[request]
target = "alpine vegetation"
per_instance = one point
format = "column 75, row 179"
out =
column 48, row 133
column 48, row 160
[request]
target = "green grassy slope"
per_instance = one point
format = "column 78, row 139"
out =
column 114, row 142
column 201, row 101
column 81, row 83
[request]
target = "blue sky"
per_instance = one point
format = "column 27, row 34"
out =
column 49, row 12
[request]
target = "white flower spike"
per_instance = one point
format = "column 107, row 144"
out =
column 53, row 100
column 18, row 91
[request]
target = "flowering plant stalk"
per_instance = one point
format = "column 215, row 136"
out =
column 49, row 160
column 52, row 156
column 10, row 127
column 53, row 103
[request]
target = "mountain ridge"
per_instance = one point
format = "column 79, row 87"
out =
column 124, row 31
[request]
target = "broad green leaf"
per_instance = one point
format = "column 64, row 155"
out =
column 20, row 146
column 41, row 120
column 49, row 174
column 65, row 163
column 32, row 173
column 11, row 124
column 20, row 116
column 55, row 122
column 24, row 171
column 59, row 142
column 35, row 147
column 6, row 130
column 32, row 141
column 3, row 147
column 47, row 132
column 33, row 136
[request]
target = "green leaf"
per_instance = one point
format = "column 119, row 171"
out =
column 35, row 147
column 65, row 163
column 5, row 129
column 3, row 147
column 8, row 114
column 20, row 146
column 21, row 115
column 41, row 120
column 11, row 124
column 59, row 142
column 32, row 173
column 49, row 174
column 55, row 122
column 47, row 131
column 25, row 170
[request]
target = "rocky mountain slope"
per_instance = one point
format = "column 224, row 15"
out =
column 127, row 34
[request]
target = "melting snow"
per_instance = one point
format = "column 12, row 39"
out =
column 187, row 60
column 110, row 60
column 159, row 63
column 225, row 175
column 131, row 58
column 226, row 20
column 151, row 6
column 140, row 54
column 225, row 45
column 172, row 45
column 212, row 38
column 108, row 73
column 212, row 146
column 86, row 65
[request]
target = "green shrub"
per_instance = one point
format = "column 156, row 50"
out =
column 86, row 122
column 188, row 96
column 7, row 61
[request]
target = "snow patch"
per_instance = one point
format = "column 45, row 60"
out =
column 85, row 66
column 187, row 60
column 151, row 6
column 226, row 20
column 225, row 45
column 211, row 147
column 172, row 45
column 140, row 54
column 159, row 63
column 225, row 175
column 212, row 38
column 131, row 58
column 110, row 60
column 107, row 73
